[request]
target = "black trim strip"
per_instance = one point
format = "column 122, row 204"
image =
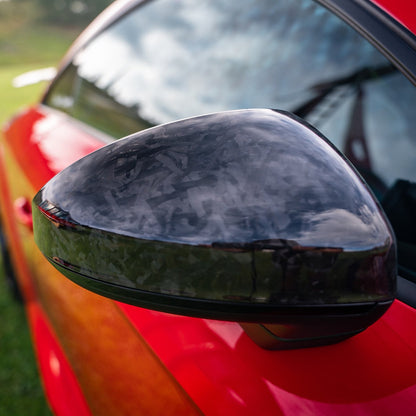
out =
column 406, row 291
column 214, row 309
column 390, row 37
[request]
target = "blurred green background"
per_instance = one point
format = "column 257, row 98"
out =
column 33, row 34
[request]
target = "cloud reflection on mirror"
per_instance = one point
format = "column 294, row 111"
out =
column 228, row 177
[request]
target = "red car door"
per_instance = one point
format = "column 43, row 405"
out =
column 98, row 356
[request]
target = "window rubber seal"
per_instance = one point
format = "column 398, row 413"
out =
column 389, row 36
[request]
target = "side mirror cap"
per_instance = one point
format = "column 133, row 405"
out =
column 250, row 216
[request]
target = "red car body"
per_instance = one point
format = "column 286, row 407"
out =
column 103, row 357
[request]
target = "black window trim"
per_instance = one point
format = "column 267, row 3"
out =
column 406, row 291
column 390, row 37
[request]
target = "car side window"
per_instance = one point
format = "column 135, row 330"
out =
column 167, row 60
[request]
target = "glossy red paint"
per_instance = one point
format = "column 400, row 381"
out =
column 47, row 136
column 371, row 373
column 23, row 212
column 404, row 11
column 25, row 132
column 7, row 210
column 60, row 384
column 78, row 336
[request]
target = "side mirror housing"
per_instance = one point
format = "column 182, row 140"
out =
column 250, row 216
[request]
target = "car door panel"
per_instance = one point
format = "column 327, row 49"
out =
column 96, row 338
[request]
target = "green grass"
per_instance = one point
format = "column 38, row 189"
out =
column 34, row 46
column 20, row 389
column 12, row 99
column 25, row 40
column 25, row 44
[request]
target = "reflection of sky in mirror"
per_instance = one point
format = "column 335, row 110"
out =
column 241, row 177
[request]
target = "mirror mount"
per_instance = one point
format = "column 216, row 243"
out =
column 319, row 326
column 249, row 216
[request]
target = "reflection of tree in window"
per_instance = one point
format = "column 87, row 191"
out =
column 96, row 107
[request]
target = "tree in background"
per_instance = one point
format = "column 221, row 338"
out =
column 71, row 11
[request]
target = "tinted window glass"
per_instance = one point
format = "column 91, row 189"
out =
column 168, row 60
